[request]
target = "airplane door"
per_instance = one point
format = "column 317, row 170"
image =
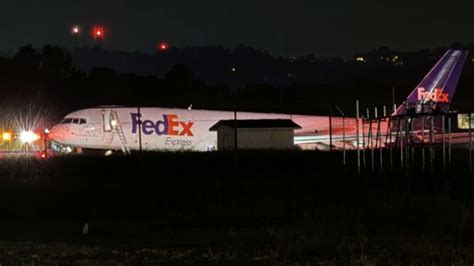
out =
column 107, row 127
column 107, row 120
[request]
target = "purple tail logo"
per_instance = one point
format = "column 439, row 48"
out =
column 439, row 85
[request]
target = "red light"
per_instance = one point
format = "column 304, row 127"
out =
column 98, row 32
column 163, row 46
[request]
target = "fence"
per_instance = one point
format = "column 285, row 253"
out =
column 422, row 141
column 379, row 141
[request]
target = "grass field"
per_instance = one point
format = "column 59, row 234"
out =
column 265, row 208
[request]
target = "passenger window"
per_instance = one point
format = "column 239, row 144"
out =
column 83, row 121
column 75, row 121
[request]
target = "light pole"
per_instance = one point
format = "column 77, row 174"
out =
column 45, row 137
column 75, row 32
column 343, row 135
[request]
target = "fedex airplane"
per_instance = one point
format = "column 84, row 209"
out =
column 156, row 128
column 115, row 128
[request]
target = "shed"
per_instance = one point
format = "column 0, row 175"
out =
column 274, row 134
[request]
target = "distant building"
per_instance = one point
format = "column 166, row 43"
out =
column 263, row 134
column 360, row 59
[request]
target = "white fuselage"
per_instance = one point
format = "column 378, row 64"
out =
column 171, row 129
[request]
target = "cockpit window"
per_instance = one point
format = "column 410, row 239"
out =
column 79, row 121
column 67, row 121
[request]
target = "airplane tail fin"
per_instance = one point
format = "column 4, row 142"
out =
column 437, row 88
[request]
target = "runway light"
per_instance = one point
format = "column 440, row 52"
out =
column 113, row 123
column 28, row 137
column 7, row 136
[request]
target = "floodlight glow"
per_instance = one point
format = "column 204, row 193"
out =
column 47, row 131
column 28, row 137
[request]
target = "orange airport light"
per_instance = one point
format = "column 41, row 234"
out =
column 7, row 136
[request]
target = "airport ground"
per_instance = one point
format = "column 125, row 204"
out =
column 278, row 208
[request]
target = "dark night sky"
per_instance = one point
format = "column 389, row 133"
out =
column 283, row 27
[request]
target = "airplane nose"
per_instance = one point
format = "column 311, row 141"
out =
column 55, row 133
column 51, row 133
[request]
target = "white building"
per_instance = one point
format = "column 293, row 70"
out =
column 267, row 134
